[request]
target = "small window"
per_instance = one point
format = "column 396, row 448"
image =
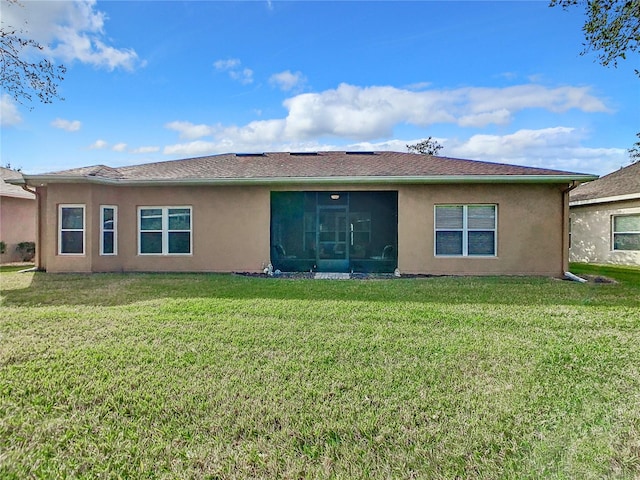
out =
column 108, row 230
column 626, row 232
column 465, row 230
column 164, row 230
column 71, row 230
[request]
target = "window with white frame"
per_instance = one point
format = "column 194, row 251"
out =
column 164, row 230
column 108, row 230
column 71, row 221
column 626, row 232
column 465, row 230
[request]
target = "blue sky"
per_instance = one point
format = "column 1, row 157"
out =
column 151, row 81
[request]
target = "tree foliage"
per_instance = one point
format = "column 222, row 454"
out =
column 426, row 147
column 634, row 152
column 20, row 76
column 612, row 28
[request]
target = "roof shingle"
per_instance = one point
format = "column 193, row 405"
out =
column 625, row 181
column 308, row 165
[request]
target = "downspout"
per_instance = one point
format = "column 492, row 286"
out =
column 38, row 230
column 565, row 232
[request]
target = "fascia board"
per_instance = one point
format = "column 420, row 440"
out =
column 40, row 180
column 615, row 198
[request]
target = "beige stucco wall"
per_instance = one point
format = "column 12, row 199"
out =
column 591, row 236
column 530, row 229
column 17, row 224
column 231, row 227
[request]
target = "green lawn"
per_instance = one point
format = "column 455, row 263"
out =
column 220, row 376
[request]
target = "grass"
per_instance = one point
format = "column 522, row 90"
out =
column 220, row 376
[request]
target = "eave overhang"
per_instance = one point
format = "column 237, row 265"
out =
column 611, row 199
column 43, row 180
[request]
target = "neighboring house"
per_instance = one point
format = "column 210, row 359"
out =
column 17, row 215
column 605, row 219
column 324, row 211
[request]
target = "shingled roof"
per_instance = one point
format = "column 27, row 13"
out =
column 622, row 184
column 284, row 167
column 8, row 190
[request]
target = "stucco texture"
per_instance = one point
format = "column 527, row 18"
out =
column 17, row 225
column 231, row 227
column 591, row 235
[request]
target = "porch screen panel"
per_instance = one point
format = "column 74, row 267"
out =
column 293, row 232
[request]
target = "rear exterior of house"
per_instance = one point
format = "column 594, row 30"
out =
column 605, row 219
column 329, row 211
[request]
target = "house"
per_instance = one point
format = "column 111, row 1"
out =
column 17, row 216
column 605, row 219
column 322, row 211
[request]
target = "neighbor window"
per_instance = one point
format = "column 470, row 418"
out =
column 465, row 230
column 164, row 230
column 626, row 232
column 108, row 230
column 71, row 229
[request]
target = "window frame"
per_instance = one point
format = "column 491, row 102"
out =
column 465, row 230
column 61, row 207
column 165, row 229
column 113, row 230
column 614, row 232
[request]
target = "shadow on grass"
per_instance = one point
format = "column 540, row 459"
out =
column 107, row 289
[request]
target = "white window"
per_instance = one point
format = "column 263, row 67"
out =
column 71, row 229
column 626, row 232
column 108, row 230
column 164, row 230
column 465, row 230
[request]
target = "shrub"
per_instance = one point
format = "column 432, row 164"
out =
column 27, row 250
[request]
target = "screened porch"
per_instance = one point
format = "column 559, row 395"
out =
column 334, row 231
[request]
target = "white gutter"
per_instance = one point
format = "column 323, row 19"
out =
column 615, row 198
column 41, row 180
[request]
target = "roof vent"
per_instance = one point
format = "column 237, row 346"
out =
column 302, row 154
column 360, row 153
column 251, row 154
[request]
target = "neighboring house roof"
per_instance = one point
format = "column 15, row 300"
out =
column 8, row 190
column 309, row 167
column 623, row 184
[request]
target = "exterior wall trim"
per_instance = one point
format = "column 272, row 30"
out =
column 616, row 198
column 42, row 180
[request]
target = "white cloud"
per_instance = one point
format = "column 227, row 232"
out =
column 365, row 113
column 244, row 76
column 233, row 68
column 143, row 150
column 119, row 147
column 498, row 117
column 371, row 113
column 68, row 125
column 229, row 64
column 195, row 148
column 287, row 81
column 556, row 147
column 98, row 145
column 364, row 118
column 70, row 31
column 189, row 130
column 9, row 115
